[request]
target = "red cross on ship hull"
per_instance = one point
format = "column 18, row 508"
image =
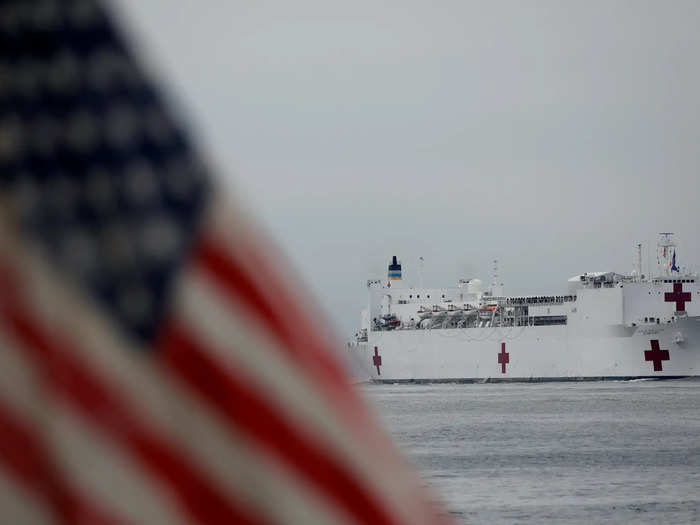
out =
column 656, row 355
column 678, row 296
column 377, row 360
column 503, row 358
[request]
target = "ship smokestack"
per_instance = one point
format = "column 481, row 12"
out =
column 394, row 271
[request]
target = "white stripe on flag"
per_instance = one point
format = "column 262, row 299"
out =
column 19, row 385
column 103, row 473
column 19, row 506
column 20, row 390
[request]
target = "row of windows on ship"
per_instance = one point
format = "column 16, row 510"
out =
column 519, row 300
column 656, row 320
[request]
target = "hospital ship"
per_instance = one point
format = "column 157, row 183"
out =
column 606, row 326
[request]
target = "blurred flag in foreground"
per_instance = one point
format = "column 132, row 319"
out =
column 154, row 365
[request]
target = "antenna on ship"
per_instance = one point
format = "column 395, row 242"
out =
column 420, row 272
column 495, row 273
column 496, row 290
column 639, row 261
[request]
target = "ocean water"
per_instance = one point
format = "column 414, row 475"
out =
column 593, row 452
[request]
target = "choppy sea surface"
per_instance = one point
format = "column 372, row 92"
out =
column 593, row 452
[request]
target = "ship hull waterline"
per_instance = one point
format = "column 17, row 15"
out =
column 529, row 353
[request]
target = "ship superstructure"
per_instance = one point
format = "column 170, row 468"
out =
column 607, row 325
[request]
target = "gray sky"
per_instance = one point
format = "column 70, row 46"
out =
column 552, row 135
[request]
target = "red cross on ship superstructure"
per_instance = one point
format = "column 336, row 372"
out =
column 377, row 360
column 503, row 358
column 678, row 296
column 656, row 355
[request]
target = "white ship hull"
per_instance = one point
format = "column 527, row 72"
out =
column 532, row 353
column 609, row 326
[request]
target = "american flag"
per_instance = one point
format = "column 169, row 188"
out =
column 155, row 367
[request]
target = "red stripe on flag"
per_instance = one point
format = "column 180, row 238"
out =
column 102, row 406
column 248, row 411
column 27, row 459
column 235, row 281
